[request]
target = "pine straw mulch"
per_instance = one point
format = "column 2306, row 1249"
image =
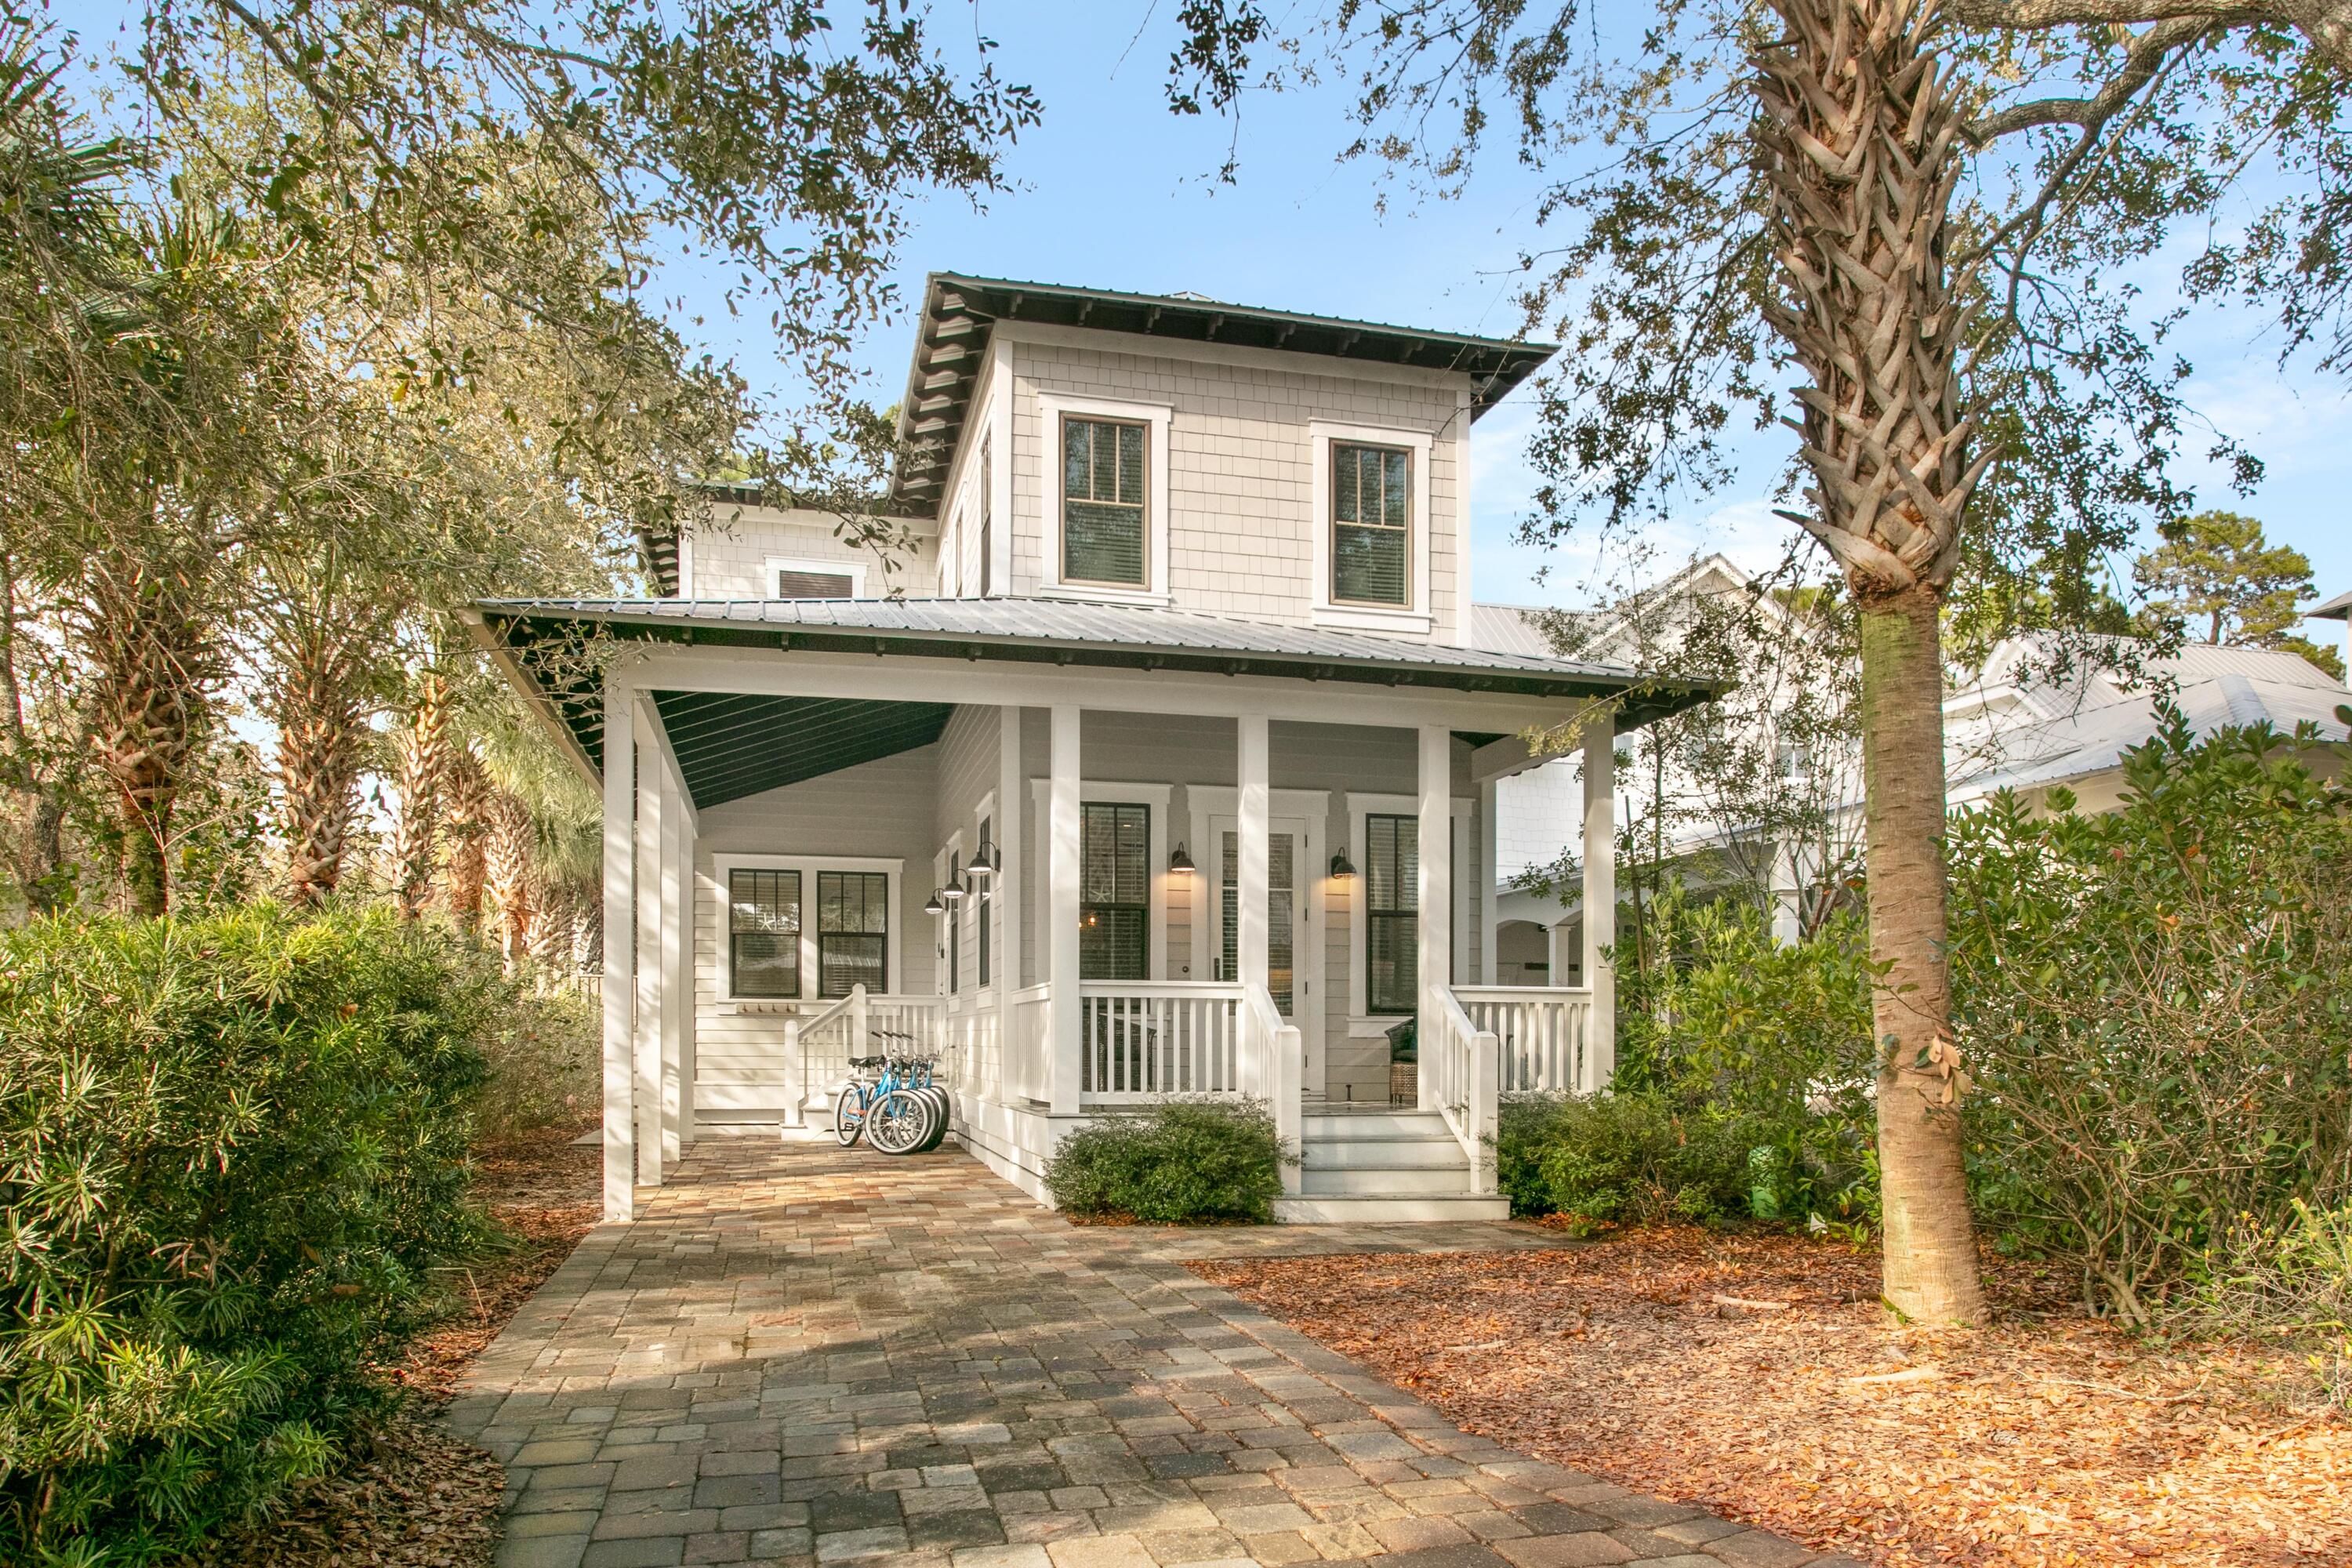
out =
column 412, row 1496
column 2049, row 1439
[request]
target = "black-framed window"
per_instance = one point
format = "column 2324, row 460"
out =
column 853, row 932
column 982, row 896
column 987, row 555
column 1114, row 891
column 955, row 928
column 1371, row 524
column 1391, row 901
column 764, row 933
column 1103, row 522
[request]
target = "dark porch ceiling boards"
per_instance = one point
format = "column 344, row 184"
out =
column 731, row 746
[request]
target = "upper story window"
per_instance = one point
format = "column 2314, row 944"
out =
column 791, row 578
column 1371, row 524
column 1104, row 523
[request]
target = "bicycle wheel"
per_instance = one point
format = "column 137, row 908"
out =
column 897, row 1122
column 940, row 1107
column 849, row 1112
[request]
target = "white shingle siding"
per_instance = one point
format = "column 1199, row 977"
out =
column 726, row 557
column 1240, row 467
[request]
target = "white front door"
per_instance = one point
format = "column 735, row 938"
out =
column 1294, row 926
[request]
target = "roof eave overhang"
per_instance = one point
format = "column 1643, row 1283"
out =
column 1647, row 698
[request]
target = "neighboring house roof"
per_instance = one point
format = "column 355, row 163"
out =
column 2214, row 686
column 1511, row 628
column 2338, row 608
column 960, row 311
column 531, row 634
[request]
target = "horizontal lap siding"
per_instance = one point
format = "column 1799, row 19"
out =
column 967, row 751
column 1240, row 471
column 882, row 808
column 728, row 555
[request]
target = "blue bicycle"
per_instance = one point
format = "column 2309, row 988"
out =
column 898, row 1110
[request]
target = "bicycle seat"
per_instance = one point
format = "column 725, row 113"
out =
column 869, row 1061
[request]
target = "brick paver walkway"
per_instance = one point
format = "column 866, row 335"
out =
column 808, row 1356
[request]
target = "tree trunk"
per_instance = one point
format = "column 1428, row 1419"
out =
column 1930, row 1245
column 1858, row 134
column 320, row 700
column 151, row 663
column 422, row 760
column 468, row 797
column 508, row 882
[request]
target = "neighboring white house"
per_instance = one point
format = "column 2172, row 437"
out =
column 1151, row 791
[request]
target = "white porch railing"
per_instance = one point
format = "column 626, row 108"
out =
column 1271, row 1067
column 1544, row 1033
column 1141, row 1041
column 1461, row 1059
column 1028, row 1046
column 859, row 1025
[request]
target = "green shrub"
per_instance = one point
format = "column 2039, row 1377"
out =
column 545, row 1066
column 231, row 1148
column 1640, row 1158
column 2153, row 1002
column 1183, row 1161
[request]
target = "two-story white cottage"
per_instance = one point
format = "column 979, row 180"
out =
column 1178, row 777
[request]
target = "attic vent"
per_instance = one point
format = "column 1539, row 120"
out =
column 792, row 584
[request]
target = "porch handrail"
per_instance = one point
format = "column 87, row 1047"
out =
column 1027, row 1048
column 830, row 1037
column 1272, row 1066
column 1141, row 1041
column 1544, row 1033
column 1462, row 1060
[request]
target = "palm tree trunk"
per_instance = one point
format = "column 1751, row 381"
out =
column 1859, row 131
column 151, row 662
column 467, row 797
column 508, row 882
column 422, row 760
column 320, row 698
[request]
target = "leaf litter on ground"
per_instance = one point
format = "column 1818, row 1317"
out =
column 2047, row 1440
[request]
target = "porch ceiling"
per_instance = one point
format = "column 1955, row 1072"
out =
column 729, row 744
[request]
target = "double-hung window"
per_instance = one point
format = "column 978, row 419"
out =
column 955, row 928
column 1114, row 891
column 1104, row 525
column 763, row 933
column 853, row 931
column 1372, row 525
column 1392, row 899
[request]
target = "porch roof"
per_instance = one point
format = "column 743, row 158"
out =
column 541, row 641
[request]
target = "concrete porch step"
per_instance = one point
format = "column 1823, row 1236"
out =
column 1391, row 1181
column 1371, row 1126
column 1388, row 1208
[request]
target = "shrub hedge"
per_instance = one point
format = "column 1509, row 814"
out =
column 231, row 1149
column 1177, row 1162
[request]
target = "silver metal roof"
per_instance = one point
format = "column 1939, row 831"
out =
column 1054, row 622
column 2338, row 608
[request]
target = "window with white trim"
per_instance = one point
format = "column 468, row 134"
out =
column 852, row 931
column 764, row 933
column 1105, row 525
column 983, row 897
column 1392, row 913
column 1371, row 524
column 1115, row 891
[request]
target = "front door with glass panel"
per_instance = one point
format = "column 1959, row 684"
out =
column 1292, row 927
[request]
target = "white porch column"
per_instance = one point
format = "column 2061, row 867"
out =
column 620, row 981
column 1434, row 904
column 1601, row 896
column 1788, row 891
column 677, row 953
column 1489, row 912
column 648, row 1091
column 1005, row 904
column 1254, row 810
column 1065, row 846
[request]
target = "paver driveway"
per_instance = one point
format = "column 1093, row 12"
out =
column 812, row 1356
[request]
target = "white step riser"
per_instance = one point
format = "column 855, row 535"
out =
column 1383, row 1184
column 1393, row 1155
column 1389, row 1210
column 1371, row 1128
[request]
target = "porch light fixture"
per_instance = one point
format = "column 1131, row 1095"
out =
column 1180, row 864
column 934, row 907
column 954, row 891
column 983, row 860
column 1342, row 866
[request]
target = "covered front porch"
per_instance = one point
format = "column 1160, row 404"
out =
column 1084, row 886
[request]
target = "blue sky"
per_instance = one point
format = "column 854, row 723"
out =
column 1112, row 190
